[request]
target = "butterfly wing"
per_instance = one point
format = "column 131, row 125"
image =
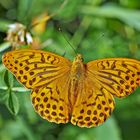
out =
column 93, row 106
column 34, row 67
column 47, row 75
column 120, row 76
column 51, row 101
column 103, row 79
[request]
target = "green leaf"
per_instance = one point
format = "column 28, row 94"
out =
column 4, row 46
column 128, row 16
column 24, row 47
column 12, row 103
column 4, row 25
column 8, row 79
column 23, row 9
column 3, row 96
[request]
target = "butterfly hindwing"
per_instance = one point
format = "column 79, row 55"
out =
column 93, row 106
column 51, row 101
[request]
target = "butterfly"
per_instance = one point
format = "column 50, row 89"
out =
column 65, row 91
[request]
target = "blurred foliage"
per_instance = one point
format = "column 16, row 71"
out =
column 97, row 29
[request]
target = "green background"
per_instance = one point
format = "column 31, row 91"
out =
column 97, row 29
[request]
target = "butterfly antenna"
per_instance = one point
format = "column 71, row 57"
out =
column 68, row 41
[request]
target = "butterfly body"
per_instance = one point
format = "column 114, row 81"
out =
column 77, row 68
column 77, row 76
column 64, row 91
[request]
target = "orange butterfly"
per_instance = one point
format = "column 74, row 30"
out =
column 64, row 91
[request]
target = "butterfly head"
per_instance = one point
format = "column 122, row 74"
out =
column 78, row 58
column 77, row 66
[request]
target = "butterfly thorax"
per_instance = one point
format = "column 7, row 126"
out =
column 77, row 67
column 77, row 75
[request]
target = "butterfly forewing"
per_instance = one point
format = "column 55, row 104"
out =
column 35, row 68
column 119, row 76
